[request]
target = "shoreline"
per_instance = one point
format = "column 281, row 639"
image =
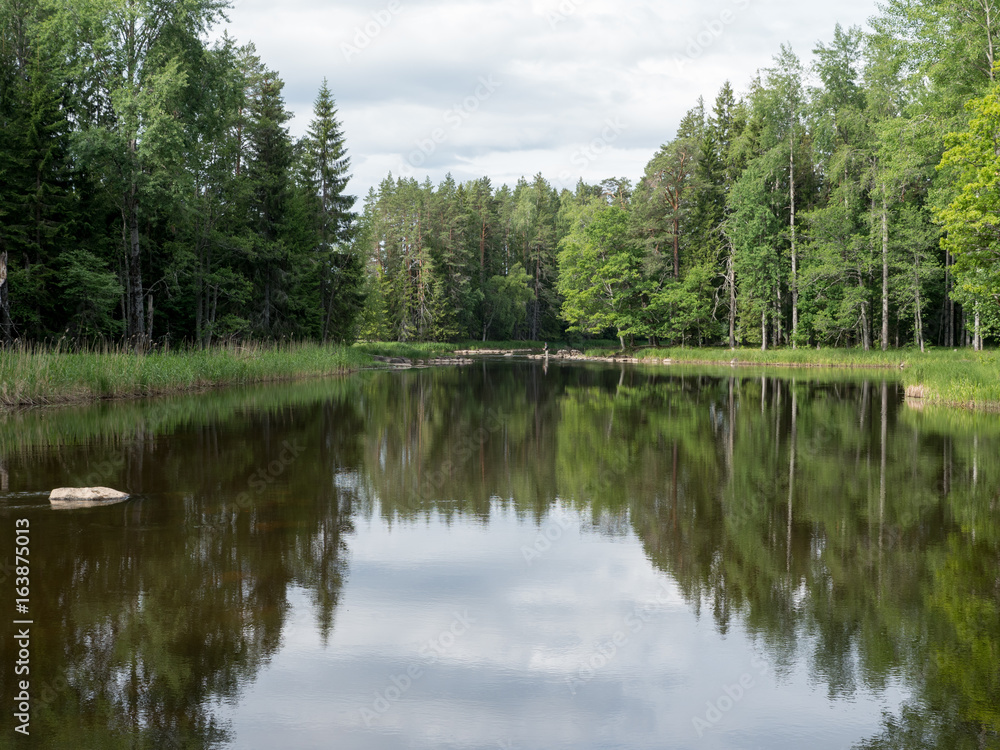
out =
column 33, row 377
column 958, row 378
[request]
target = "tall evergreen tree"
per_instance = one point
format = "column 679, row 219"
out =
column 269, row 166
column 326, row 175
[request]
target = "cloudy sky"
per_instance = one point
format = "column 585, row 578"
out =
column 568, row 88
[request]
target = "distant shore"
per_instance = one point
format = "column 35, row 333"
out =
column 959, row 378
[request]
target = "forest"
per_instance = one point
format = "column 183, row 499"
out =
column 152, row 192
column 150, row 189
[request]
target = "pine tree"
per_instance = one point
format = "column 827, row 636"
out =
column 326, row 175
column 269, row 179
column 533, row 222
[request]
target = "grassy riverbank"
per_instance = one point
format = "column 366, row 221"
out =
column 35, row 375
column 949, row 377
column 964, row 378
column 773, row 357
column 938, row 376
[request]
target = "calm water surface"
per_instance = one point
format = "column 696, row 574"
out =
column 511, row 556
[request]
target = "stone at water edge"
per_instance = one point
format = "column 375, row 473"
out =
column 83, row 496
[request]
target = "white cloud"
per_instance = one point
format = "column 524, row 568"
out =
column 399, row 67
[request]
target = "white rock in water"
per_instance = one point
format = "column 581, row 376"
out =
column 85, row 497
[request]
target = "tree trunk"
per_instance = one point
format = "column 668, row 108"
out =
column 538, row 292
column 763, row 329
column 677, row 247
column 326, row 300
column 731, row 273
column 885, row 272
column 949, row 305
column 866, row 329
column 199, row 304
column 4, row 300
column 482, row 254
column 776, row 328
column 136, row 324
column 211, row 317
column 987, row 7
column 326, row 319
column 795, row 286
column 918, row 318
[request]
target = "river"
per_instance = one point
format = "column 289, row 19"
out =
column 509, row 555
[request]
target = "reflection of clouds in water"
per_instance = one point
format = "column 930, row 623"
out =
column 669, row 491
column 506, row 678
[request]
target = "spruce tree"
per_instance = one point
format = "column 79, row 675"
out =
column 326, row 174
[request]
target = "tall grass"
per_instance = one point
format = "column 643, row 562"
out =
column 956, row 377
column 34, row 374
column 804, row 357
column 962, row 378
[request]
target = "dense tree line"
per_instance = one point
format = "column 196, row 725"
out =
column 150, row 190
column 149, row 187
column 850, row 202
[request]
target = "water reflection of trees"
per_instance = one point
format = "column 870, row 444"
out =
column 151, row 613
column 828, row 517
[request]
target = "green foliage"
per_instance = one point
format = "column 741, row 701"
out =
column 599, row 271
column 505, row 302
column 132, row 146
column 969, row 220
column 753, row 228
column 151, row 188
column 91, row 291
column 325, row 175
column 686, row 308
